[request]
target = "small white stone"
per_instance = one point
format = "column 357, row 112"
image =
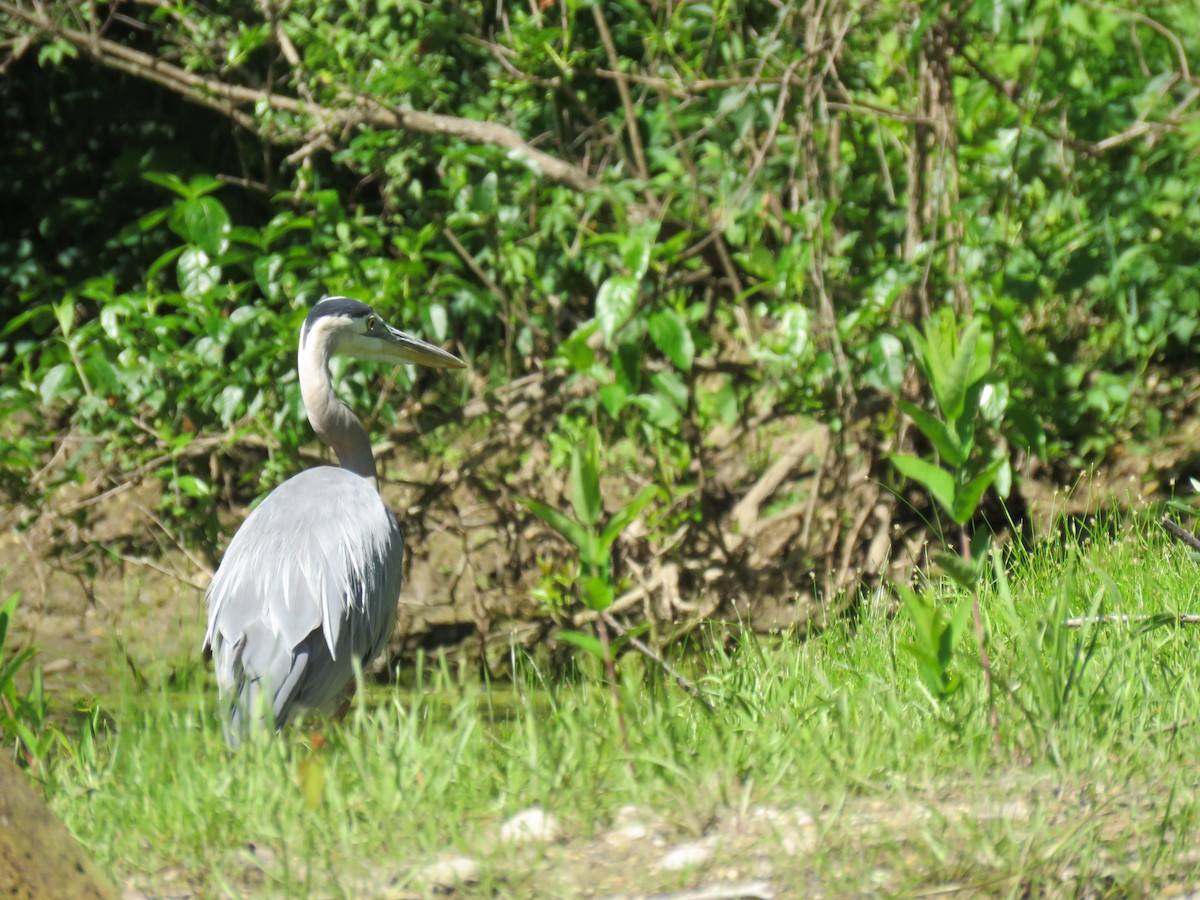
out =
column 795, row 828
column 685, row 856
column 451, row 872
column 629, row 826
column 533, row 825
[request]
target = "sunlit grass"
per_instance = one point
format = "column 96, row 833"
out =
column 1092, row 787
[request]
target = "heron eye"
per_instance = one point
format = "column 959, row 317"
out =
column 370, row 323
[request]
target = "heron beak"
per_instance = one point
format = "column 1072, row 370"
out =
column 404, row 347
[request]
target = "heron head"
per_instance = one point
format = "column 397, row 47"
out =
column 351, row 328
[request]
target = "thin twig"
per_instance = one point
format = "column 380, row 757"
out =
column 231, row 100
column 645, row 650
column 1176, row 530
column 1127, row 619
column 610, row 670
column 631, row 124
column 1172, row 727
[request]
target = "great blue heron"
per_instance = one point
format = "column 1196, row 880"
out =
column 310, row 581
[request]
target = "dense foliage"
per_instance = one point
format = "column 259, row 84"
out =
column 701, row 213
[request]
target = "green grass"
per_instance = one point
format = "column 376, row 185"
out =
column 1093, row 788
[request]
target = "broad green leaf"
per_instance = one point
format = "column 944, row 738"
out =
column 993, row 401
column 638, row 248
column 627, row 366
column 196, row 273
column 586, row 642
column 660, row 412
column 597, row 592
column 64, row 312
column 575, row 351
column 267, row 269
column 621, row 518
column 945, row 441
column 668, row 384
column 956, row 378
column 1003, row 482
column 51, row 388
column 982, row 366
column 437, row 321
column 938, row 482
column 615, row 302
column 951, row 635
column 584, row 480
column 560, row 522
column 171, row 182
column 886, row 355
column 613, row 398
column 965, row 574
column 228, row 403
column 966, row 500
column 191, row 486
column 672, row 336
column 207, row 225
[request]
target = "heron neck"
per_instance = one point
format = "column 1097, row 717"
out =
column 331, row 419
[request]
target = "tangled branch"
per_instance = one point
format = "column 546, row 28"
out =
column 236, row 101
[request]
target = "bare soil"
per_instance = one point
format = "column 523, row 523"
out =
column 786, row 516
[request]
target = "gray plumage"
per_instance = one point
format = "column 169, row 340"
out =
column 310, row 581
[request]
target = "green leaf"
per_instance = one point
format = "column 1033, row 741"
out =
column 171, row 182
column 585, row 642
column 196, row 273
column 7, row 610
column 621, row 519
column 614, row 304
column 597, row 592
column 965, row 574
column 191, row 486
column 966, row 500
column 956, row 378
column 51, row 388
column 64, row 312
column 886, row 356
column 638, row 248
column 568, row 528
column 163, row 261
column 938, row 482
column 627, row 365
column 584, row 479
column 613, row 398
column 575, row 350
column 672, row 336
column 206, row 224
column 660, row 411
column 229, row 402
column 945, row 441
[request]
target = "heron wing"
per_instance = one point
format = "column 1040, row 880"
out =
column 309, row 583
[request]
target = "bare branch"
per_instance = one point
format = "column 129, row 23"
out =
column 233, row 100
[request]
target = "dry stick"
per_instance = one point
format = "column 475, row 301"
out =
column 610, row 669
column 228, row 98
column 1127, row 619
column 635, row 137
column 980, row 636
column 1176, row 530
column 646, row 651
column 1172, row 727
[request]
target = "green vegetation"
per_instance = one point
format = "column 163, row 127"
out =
column 1091, row 789
column 781, row 299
